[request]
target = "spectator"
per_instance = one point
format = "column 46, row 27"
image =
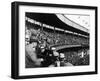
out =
column 31, row 56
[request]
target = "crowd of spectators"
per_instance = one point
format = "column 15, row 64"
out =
column 76, row 57
column 54, row 38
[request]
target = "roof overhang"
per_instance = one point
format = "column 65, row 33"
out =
column 53, row 20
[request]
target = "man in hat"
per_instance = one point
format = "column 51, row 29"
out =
column 47, row 55
column 31, row 54
column 63, row 60
column 55, row 57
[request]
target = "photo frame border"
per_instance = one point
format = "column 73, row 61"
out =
column 15, row 39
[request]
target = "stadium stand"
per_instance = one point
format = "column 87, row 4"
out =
column 57, row 38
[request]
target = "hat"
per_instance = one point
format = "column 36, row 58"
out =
column 42, row 47
column 53, row 48
column 56, row 54
column 33, row 40
column 62, row 55
column 27, row 36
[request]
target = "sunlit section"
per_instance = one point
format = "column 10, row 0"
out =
column 74, row 21
column 83, row 20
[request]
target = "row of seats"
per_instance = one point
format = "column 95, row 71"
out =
column 57, row 38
